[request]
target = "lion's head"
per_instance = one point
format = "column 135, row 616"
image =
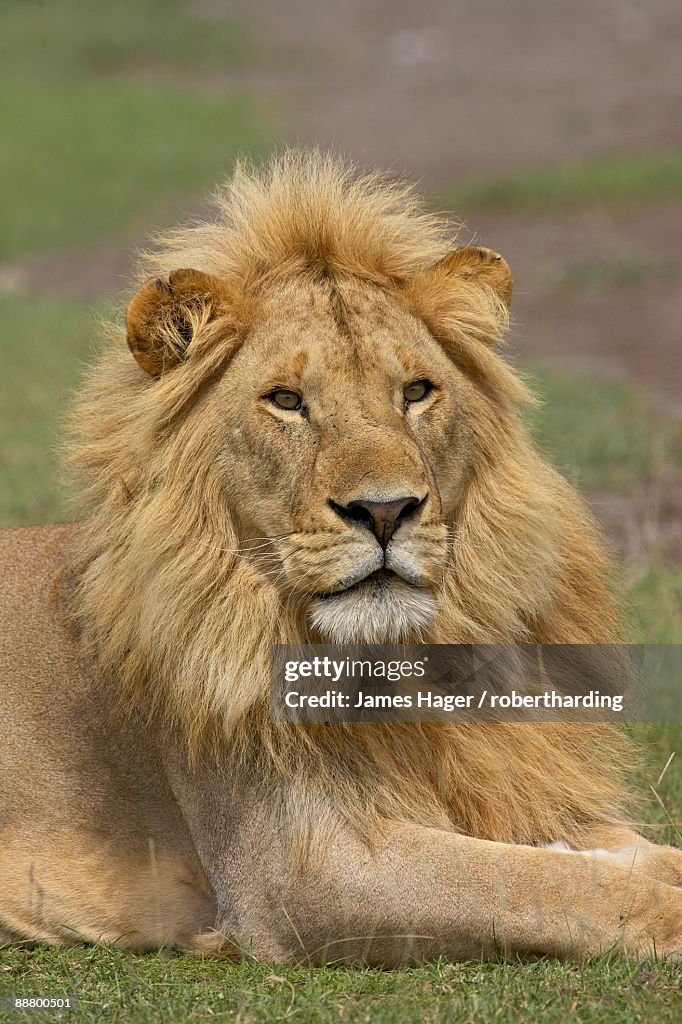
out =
column 317, row 439
column 344, row 435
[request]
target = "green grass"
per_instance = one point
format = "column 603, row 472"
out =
column 120, row 987
column 607, row 179
column 656, row 600
column 601, row 435
column 87, row 163
column 114, row 986
column 130, row 37
column 103, row 129
column 44, row 344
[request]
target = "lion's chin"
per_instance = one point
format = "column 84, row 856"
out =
column 378, row 610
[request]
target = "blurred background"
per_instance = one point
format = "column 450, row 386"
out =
column 551, row 130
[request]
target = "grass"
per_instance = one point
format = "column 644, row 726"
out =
column 607, row 179
column 600, row 434
column 91, row 163
column 131, row 37
column 656, row 599
column 113, row 986
column 101, row 129
column 45, row 342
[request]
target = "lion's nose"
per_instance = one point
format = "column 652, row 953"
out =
column 382, row 517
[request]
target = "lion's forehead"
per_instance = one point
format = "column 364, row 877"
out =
column 351, row 328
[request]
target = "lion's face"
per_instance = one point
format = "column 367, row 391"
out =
column 344, row 443
column 341, row 431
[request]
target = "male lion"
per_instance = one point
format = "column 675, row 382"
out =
column 316, row 440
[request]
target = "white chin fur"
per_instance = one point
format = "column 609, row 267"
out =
column 373, row 613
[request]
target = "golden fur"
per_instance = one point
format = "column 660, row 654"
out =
column 181, row 596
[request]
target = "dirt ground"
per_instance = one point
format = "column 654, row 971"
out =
column 446, row 91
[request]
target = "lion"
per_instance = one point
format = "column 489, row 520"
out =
column 308, row 433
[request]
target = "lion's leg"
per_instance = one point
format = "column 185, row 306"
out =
column 635, row 853
column 425, row 893
column 63, row 893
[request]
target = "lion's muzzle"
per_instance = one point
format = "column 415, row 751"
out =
column 374, row 578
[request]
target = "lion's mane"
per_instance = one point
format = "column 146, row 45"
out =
column 170, row 609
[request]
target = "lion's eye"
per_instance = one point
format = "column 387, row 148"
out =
column 285, row 399
column 417, row 391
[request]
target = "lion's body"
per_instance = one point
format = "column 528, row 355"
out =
column 146, row 795
column 92, row 843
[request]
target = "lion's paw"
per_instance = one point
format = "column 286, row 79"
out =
column 663, row 863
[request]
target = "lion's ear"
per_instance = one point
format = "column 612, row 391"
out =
column 163, row 314
column 475, row 263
